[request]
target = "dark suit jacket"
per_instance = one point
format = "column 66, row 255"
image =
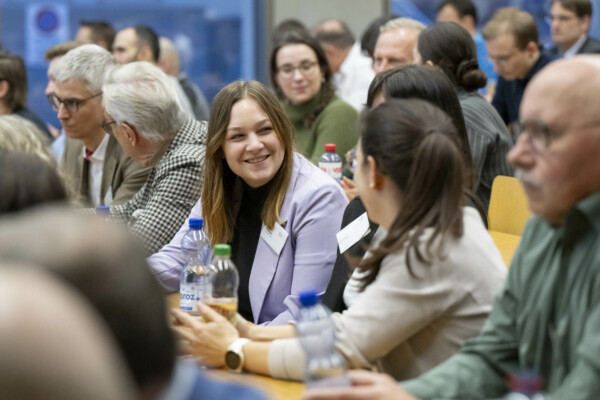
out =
column 120, row 173
column 590, row 46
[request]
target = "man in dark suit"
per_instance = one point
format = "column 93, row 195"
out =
column 570, row 21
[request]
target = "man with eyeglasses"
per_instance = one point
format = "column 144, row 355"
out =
column 511, row 38
column 94, row 164
column 569, row 24
column 547, row 317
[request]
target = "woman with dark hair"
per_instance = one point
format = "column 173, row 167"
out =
column 427, row 284
column 449, row 47
column 26, row 181
column 255, row 186
column 302, row 80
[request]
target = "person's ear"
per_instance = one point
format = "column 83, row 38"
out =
column 532, row 48
column 430, row 63
column 375, row 175
column 145, row 54
column 585, row 20
column 130, row 133
column 4, row 88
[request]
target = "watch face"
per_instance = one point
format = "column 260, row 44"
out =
column 232, row 360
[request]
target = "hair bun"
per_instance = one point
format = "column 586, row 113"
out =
column 470, row 76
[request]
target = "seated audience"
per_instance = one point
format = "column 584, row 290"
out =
column 302, row 80
column 13, row 91
column 96, row 32
column 352, row 72
column 108, row 268
column 56, row 350
column 252, row 169
column 569, row 24
column 547, row 316
column 427, row 284
column 511, row 39
column 101, row 171
column 140, row 43
column 169, row 63
column 143, row 114
column 449, row 47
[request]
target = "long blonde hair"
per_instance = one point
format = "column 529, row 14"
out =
column 220, row 181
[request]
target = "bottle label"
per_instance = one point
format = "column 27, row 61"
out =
column 189, row 296
column 333, row 169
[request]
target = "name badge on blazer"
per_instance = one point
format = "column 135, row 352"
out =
column 275, row 238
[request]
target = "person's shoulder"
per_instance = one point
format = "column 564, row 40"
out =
column 590, row 46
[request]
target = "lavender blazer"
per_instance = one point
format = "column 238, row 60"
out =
column 311, row 214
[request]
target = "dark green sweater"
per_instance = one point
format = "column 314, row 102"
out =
column 337, row 123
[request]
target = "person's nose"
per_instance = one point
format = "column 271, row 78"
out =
column 522, row 154
column 62, row 112
column 254, row 143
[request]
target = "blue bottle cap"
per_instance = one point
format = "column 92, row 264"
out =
column 196, row 223
column 309, row 298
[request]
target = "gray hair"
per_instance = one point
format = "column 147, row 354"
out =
column 399, row 23
column 142, row 95
column 87, row 64
column 22, row 136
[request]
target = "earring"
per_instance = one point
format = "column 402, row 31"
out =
column 372, row 185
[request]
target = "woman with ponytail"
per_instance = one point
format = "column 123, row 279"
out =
column 449, row 47
column 428, row 281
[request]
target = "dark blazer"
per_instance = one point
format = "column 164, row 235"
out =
column 120, row 173
column 590, row 46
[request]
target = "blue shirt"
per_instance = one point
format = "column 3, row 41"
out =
column 484, row 62
column 507, row 99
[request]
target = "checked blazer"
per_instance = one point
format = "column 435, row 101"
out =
column 157, row 211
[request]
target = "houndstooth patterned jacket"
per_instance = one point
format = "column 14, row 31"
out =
column 157, row 211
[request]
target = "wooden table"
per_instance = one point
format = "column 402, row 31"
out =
column 274, row 389
column 506, row 243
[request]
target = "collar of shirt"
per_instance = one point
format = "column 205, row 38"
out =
column 99, row 153
column 575, row 48
column 590, row 208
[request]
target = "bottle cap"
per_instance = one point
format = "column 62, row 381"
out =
column 330, row 147
column 103, row 210
column 309, row 298
column 196, row 223
column 222, row 250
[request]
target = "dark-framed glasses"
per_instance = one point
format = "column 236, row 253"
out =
column 538, row 133
column 106, row 126
column 71, row 104
column 305, row 68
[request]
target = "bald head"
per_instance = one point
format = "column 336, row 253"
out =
column 53, row 345
column 169, row 57
column 560, row 134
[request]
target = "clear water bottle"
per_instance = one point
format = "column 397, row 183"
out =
column 525, row 385
column 103, row 213
column 195, row 277
column 331, row 163
column 316, row 332
column 225, row 281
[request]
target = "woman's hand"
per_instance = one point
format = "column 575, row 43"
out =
column 207, row 341
column 349, row 188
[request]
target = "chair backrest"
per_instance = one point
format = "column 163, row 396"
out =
column 508, row 211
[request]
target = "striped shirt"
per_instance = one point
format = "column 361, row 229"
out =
column 489, row 142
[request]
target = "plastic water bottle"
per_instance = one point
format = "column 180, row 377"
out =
column 525, row 385
column 331, row 163
column 195, row 277
column 225, row 281
column 103, row 213
column 316, row 332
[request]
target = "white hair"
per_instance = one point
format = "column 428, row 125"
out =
column 142, row 95
column 399, row 23
column 87, row 64
column 20, row 135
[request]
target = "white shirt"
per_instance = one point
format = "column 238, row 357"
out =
column 575, row 48
column 355, row 76
column 95, row 174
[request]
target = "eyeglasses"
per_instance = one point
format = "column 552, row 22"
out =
column 501, row 60
column 305, row 68
column 71, row 104
column 106, row 126
column 538, row 134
